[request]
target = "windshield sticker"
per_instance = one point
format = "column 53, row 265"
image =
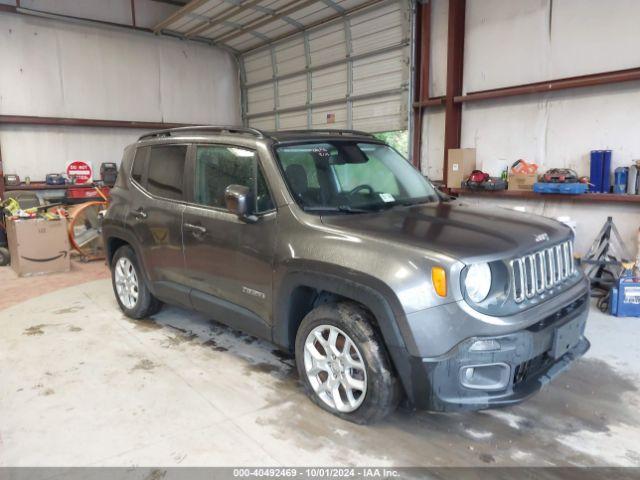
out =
column 387, row 197
column 321, row 152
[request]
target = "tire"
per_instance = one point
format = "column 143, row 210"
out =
column 379, row 392
column 5, row 257
column 142, row 305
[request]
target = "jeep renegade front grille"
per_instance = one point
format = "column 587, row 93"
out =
column 534, row 274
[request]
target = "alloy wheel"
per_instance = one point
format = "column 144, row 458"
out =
column 335, row 368
column 126, row 281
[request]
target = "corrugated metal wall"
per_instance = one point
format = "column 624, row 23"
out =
column 350, row 73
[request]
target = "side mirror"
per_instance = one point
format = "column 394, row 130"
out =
column 237, row 199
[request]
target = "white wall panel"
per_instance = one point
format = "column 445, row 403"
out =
column 591, row 36
column 148, row 12
column 61, row 69
column 510, row 42
column 506, row 43
column 438, row 51
column 34, row 151
column 432, row 143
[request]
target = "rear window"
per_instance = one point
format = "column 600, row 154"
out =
column 166, row 171
column 139, row 162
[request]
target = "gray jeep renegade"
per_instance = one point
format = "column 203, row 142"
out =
column 332, row 246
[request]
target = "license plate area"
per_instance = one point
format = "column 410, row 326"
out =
column 565, row 338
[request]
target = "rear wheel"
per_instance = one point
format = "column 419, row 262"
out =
column 344, row 365
column 132, row 293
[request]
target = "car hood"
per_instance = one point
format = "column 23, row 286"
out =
column 456, row 230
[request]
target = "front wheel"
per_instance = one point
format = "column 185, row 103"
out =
column 132, row 293
column 344, row 365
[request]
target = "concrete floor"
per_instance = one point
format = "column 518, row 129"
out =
column 80, row 384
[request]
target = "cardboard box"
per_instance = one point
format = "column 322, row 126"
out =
column 38, row 246
column 462, row 161
column 522, row 181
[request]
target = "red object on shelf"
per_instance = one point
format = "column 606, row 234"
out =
column 78, row 193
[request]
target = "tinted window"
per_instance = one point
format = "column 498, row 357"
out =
column 166, row 171
column 139, row 162
column 217, row 167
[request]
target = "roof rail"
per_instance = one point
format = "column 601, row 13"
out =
column 328, row 131
column 169, row 132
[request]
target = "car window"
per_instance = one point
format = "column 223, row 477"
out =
column 139, row 162
column 303, row 156
column 166, row 171
column 373, row 173
column 219, row 166
column 339, row 175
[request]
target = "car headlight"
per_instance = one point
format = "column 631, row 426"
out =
column 478, row 282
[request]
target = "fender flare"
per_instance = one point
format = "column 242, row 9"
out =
column 374, row 295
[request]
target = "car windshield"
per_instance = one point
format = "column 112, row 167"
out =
column 351, row 177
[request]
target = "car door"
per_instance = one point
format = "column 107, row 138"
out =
column 228, row 261
column 155, row 217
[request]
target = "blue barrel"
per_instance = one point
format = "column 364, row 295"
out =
column 595, row 178
column 620, row 182
column 606, row 171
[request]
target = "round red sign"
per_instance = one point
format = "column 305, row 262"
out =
column 81, row 171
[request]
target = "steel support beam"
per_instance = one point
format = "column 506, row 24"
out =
column 276, row 98
column 307, row 66
column 592, row 80
column 421, row 75
column 133, row 13
column 84, row 122
column 349, row 51
column 1, row 177
column 455, row 61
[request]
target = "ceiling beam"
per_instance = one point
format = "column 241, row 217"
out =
column 317, row 23
column 277, row 15
column 188, row 8
column 222, row 17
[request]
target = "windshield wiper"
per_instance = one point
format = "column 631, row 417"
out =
column 341, row 209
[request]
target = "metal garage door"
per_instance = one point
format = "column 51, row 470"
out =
column 352, row 72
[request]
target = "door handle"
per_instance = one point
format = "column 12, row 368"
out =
column 197, row 230
column 140, row 214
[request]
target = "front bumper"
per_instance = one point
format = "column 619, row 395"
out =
column 529, row 358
